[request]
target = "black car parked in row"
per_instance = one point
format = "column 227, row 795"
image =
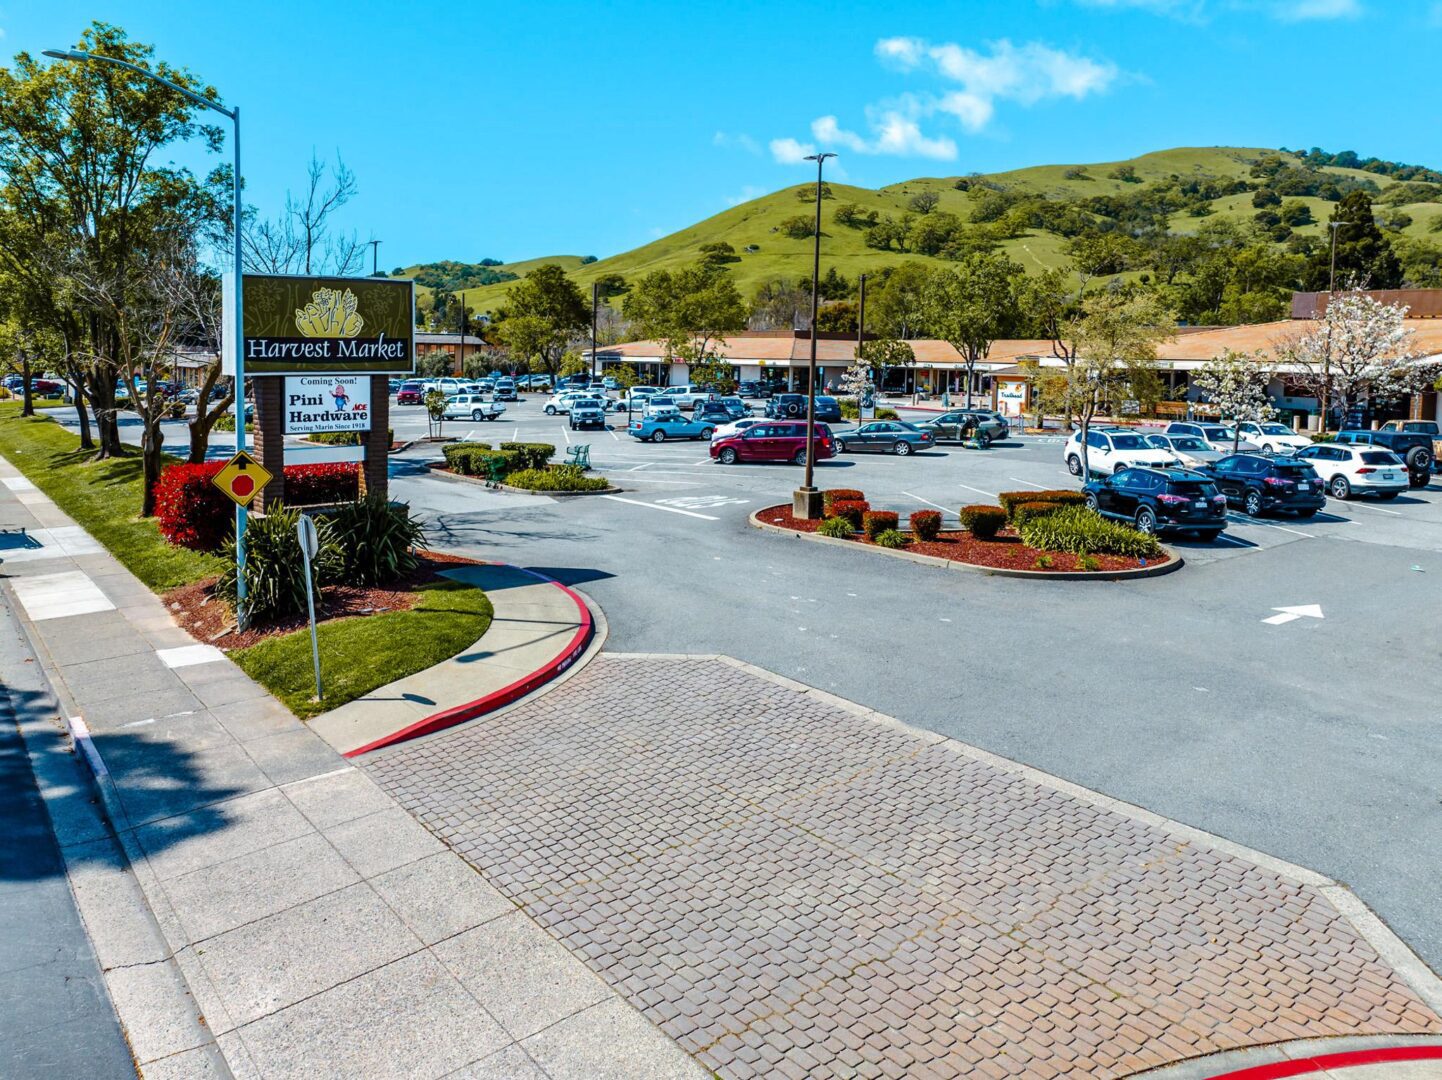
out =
column 1161, row 501
column 793, row 406
column 1256, row 484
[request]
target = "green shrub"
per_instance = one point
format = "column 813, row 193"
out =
column 1011, row 499
column 455, row 451
column 1080, row 531
column 226, row 422
column 377, row 539
column 274, row 568
column 1044, row 562
column 850, row 510
column 926, row 524
column 346, row 438
column 557, row 478
column 850, row 410
column 836, row 527
column 1021, row 513
column 983, row 522
column 876, row 522
column 835, row 495
column 891, row 538
column 531, row 455
column 475, row 460
column 1090, row 563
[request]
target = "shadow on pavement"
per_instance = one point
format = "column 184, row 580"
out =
column 571, row 575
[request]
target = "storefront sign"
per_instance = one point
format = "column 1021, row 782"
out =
column 315, row 325
column 316, row 403
column 1010, row 396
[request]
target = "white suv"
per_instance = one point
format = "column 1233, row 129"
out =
column 687, row 397
column 1217, row 436
column 1111, row 450
column 1357, row 470
column 561, row 403
column 1274, row 438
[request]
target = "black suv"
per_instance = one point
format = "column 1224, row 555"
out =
column 1161, row 501
column 793, row 406
column 1256, row 483
column 754, row 389
column 1413, row 447
column 714, row 411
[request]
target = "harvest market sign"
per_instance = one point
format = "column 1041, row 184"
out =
column 316, row 403
column 311, row 325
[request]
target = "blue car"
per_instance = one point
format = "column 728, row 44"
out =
column 670, row 426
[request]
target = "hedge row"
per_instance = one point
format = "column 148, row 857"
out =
column 1011, row 499
column 347, row 438
column 983, row 521
column 835, row 495
column 852, row 510
column 557, row 478
column 192, row 512
column 531, row 455
column 1080, row 531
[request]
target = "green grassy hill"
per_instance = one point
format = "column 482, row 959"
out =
column 756, row 223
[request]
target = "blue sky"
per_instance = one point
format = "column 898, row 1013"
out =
column 528, row 129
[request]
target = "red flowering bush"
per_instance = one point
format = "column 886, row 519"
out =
column 832, row 496
column 926, row 524
column 192, row 512
column 876, row 522
column 849, row 510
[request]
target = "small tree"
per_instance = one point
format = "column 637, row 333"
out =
column 435, row 403
column 856, row 381
column 1359, row 348
column 924, row 202
column 799, row 227
column 883, row 354
column 1236, row 383
column 972, row 306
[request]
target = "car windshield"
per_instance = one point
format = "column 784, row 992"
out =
column 1380, row 457
column 587, row 403
column 1128, row 442
column 1216, row 433
column 662, row 401
column 1297, row 471
column 1187, row 442
column 1276, row 429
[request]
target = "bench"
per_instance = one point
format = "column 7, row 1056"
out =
column 580, row 454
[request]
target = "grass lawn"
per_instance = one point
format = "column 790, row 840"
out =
column 361, row 653
column 102, row 496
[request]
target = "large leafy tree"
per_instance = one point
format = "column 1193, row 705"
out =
column 78, row 180
column 544, row 311
column 898, row 308
column 972, row 305
column 1365, row 258
column 690, row 311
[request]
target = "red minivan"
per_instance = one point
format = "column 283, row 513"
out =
column 780, row 440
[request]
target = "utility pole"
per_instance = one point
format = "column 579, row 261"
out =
column 861, row 329
column 1332, row 276
column 375, row 246
column 806, row 500
column 595, row 312
column 461, row 345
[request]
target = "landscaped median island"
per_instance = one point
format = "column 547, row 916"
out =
column 375, row 585
column 1036, row 532
column 523, row 467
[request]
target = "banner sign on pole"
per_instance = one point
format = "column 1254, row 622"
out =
column 308, row 325
column 317, row 403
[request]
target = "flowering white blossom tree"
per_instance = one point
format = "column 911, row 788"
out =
column 1359, row 349
column 1236, row 383
column 856, row 381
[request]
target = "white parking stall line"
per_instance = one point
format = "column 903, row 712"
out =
column 1028, row 483
column 1234, row 540
column 1380, row 510
column 668, row 509
column 638, row 468
column 988, row 494
column 1269, row 525
column 566, row 435
column 928, row 502
column 613, row 434
column 516, row 434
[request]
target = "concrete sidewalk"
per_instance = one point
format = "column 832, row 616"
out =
column 258, row 906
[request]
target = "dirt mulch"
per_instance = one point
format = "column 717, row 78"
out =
column 1006, row 552
column 196, row 609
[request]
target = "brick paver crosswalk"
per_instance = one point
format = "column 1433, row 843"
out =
column 791, row 888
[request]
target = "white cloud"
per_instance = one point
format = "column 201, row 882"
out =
column 1307, row 10
column 892, row 132
column 790, row 152
column 1025, row 74
column 738, row 141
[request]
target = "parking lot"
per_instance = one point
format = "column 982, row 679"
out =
column 1313, row 738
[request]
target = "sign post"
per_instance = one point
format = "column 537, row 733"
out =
column 309, row 539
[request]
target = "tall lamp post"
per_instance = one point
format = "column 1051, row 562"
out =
column 806, row 500
column 242, row 614
column 1336, row 227
column 375, row 250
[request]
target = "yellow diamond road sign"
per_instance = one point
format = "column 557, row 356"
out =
column 242, row 478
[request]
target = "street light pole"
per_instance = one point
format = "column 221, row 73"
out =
column 1335, row 226
column 806, row 501
column 861, row 328
column 595, row 310
column 375, row 248
column 241, row 613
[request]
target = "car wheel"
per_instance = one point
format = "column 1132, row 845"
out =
column 1418, row 479
column 1119, row 468
column 550, row 410
column 840, row 446
column 727, row 456
column 477, row 415
column 799, row 458
column 658, row 435
column 1208, row 536
column 983, row 440
column 1419, row 459
column 1092, row 503
column 1340, row 488
column 706, row 432
column 1073, row 465
column 1147, row 520
column 901, row 448
column 1252, row 503
column 793, row 410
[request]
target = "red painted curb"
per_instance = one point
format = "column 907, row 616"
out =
column 1302, row 1066
column 506, row 694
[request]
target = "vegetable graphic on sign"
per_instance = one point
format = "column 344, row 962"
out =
column 330, row 314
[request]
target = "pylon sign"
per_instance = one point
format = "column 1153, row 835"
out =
column 242, row 478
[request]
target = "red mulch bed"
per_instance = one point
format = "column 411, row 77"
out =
column 195, row 608
column 1006, row 552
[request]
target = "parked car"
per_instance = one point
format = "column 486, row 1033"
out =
column 639, row 395
column 1110, row 450
column 409, row 394
column 661, row 403
column 885, row 437
column 1161, row 501
column 948, row 427
column 783, row 440
column 786, row 406
column 505, row 390
column 752, row 388
column 725, row 430
column 1217, row 436
column 1274, row 438
column 672, row 425
column 561, row 402
column 1189, row 450
column 1361, row 469
column 714, row 411
column 735, row 406
column 1430, row 428
column 1257, row 484
column 587, row 412
column 474, row 406
column 447, row 385
column 1413, row 447
column 686, row 396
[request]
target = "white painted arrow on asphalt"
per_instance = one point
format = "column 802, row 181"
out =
column 1289, row 614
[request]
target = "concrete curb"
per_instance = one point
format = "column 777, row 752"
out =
column 1305, row 1057
column 438, row 468
column 1410, row 967
column 1174, row 562
column 506, row 695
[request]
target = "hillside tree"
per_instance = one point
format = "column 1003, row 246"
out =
column 1365, row 257
column 972, row 305
column 689, row 311
column 544, row 311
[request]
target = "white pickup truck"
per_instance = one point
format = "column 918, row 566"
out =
column 687, row 397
